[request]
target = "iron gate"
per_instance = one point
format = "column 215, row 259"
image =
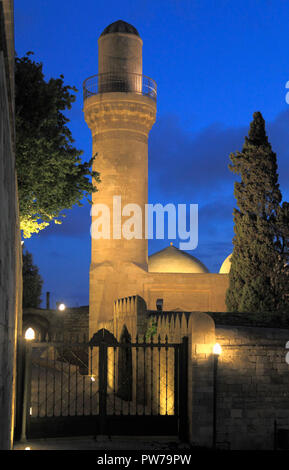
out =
column 105, row 387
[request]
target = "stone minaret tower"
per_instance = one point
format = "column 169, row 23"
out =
column 120, row 109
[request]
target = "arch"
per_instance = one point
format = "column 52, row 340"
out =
column 103, row 336
column 39, row 323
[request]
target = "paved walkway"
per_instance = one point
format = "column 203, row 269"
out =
column 103, row 443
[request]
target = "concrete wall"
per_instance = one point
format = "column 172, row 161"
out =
column 10, row 245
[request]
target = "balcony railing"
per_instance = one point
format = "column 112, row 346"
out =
column 120, row 82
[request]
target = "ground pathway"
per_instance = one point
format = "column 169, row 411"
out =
column 103, row 443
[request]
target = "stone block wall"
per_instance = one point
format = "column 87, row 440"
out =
column 252, row 378
column 252, row 386
column 50, row 324
column 250, row 383
column 75, row 324
column 10, row 243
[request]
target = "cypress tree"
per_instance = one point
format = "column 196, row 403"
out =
column 256, row 279
column 32, row 282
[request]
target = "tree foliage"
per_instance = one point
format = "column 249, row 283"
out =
column 258, row 279
column 32, row 282
column 51, row 174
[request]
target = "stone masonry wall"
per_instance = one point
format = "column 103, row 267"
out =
column 10, row 246
column 252, row 386
column 252, row 376
column 75, row 324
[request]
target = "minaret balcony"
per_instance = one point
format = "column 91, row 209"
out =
column 120, row 82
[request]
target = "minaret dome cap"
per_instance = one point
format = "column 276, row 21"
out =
column 120, row 26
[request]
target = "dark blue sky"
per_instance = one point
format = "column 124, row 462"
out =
column 215, row 63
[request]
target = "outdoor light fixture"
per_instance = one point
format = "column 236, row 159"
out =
column 92, row 378
column 217, row 349
column 61, row 307
column 29, row 334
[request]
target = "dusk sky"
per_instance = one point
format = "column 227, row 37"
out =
column 215, row 63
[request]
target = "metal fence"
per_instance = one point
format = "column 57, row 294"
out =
column 105, row 387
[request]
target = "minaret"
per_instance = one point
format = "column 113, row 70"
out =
column 120, row 109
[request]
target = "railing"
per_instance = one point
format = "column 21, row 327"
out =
column 124, row 82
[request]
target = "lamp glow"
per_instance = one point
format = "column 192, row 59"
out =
column 217, row 349
column 61, row 307
column 29, row 334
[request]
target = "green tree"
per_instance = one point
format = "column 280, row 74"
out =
column 257, row 279
column 32, row 282
column 51, row 174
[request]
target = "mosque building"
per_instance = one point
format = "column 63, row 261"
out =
column 165, row 358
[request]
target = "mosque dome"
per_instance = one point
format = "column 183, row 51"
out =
column 120, row 27
column 173, row 260
column 226, row 266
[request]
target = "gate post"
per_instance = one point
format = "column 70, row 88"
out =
column 202, row 339
column 102, row 339
column 183, row 392
column 26, row 390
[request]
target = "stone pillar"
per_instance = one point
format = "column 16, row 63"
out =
column 120, row 117
column 200, row 377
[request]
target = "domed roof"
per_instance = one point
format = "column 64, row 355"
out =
column 226, row 266
column 173, row 260
column 120, row 27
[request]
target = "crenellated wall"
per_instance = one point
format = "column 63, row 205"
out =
column 132, row 313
